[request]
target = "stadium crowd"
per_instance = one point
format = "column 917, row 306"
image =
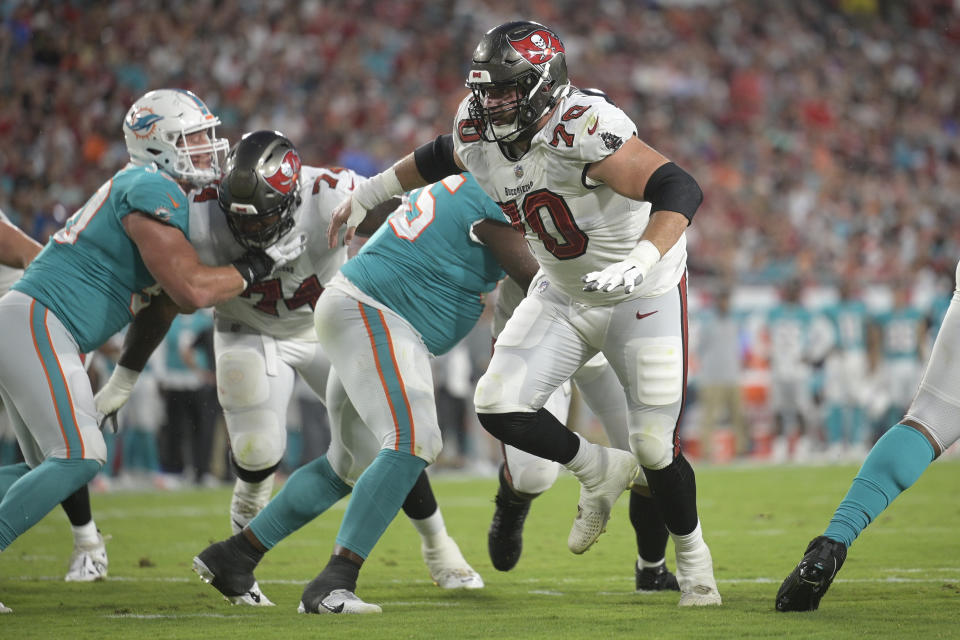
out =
column 824, row 134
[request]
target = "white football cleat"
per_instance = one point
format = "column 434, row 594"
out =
column 341, row 601
column 4, row 609
column 88, row 563
column 597, row 497
column 698, row 588
column 448, row 568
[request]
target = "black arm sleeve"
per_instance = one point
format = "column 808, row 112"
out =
column 435, row 159
column 671, row 188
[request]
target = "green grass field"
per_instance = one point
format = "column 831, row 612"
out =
column 902, row 577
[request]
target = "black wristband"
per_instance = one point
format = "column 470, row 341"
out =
column 671, row 188
column 435, row 159
column 254, row 265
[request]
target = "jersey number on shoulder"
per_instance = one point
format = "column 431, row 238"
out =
column 272, row 293
column 79, row 220
column 535, row 209
column 409, row 226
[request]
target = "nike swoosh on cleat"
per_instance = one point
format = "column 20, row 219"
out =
column 336, row 609
column 641, row 316
column 255, row 596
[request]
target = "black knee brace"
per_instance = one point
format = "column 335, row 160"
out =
column 538, row 433
column 252, row 476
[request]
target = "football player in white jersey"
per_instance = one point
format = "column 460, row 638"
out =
column 265, row 337
column 898, row 459
column 524, row 476
column 605, row 215
column 88, row 562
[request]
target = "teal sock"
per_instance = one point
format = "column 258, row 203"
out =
column 294, row 449
column 891, row 467
column 308, row 492
column 377, row 497
column 38, row 491
column 9, row 474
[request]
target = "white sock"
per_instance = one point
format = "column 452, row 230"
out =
column 643, row 564
column 85, row 533
column 689, row 542
column 585, row 458
column 431, row 529
column 255, row 492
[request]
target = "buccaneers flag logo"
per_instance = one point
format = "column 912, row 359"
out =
column 538, row 47
column 286, row 175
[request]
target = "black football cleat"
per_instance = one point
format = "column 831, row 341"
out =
column 655, row 579
column 505, row 537
column 809, row 581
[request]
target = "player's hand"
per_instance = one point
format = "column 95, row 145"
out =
column 256, row 264
column 340, row 217
column 113, row 395
column 287, row 249
column 627, row 274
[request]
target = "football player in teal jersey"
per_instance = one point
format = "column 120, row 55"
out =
column 88, row 562
column 414, row 290
column 124, row 246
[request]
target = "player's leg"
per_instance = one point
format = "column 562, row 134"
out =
column 522, row 477
column 603, row 393
column 399, row 408
column 537, row 351
column 88, row 562
column 56, row 428
column 448, row 568
column 254, row 386
column 651, row 361
column 894, row 463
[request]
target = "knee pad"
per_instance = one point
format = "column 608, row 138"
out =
column 241, row 379
column 657, row 373
column 530, row 474
column 653, row 442
column 257, row 439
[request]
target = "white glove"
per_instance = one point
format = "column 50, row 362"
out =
column 113, row 395
column 367, row 195
column 287, row 248
column 627, row 273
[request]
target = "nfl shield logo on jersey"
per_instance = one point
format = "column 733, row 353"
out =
column 542, row 285
column 518, row 172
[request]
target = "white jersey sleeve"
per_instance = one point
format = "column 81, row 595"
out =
column 574, row 225
column 281, row 305
column 8, row 275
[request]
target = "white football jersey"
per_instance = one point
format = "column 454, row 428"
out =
column 8, row 275
column 281, row 305
column 573, row 224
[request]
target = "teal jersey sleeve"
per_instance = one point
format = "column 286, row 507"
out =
column 90, row 273
column 424, row 264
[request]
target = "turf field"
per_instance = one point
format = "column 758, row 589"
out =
column 902, row 578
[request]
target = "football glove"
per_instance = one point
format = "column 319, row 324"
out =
column 627, row 273
column 256, row 264
column 113, row 395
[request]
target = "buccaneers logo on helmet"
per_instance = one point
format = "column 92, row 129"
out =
column 285, row 178
column 538, row 47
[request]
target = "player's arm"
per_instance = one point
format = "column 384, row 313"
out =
column 143, row 336
column 17, row 249
column 427, row 164
column 509, row 248
column 639, row 172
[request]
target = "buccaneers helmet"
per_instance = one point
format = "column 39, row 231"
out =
column 156, row 128
column 260, row 189
column 527, row 57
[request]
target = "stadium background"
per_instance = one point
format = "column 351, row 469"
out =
column 823, row 133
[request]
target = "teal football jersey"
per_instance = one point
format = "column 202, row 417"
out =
column 423, row 264
column 90, row 273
